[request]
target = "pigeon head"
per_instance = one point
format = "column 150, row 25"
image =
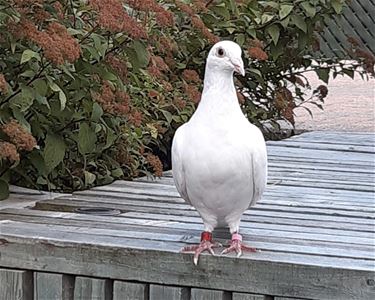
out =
column 225, row 56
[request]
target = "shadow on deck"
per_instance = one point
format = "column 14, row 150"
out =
column 314, row 227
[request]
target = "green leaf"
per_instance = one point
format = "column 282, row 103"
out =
column 323, row 74
column 62, row 99
column 285, row 10
column 255, row 71
column 54, row 151
column 4, row 189
column 29, row 54
column 266, row 18
column 111, row 138
column 240, row 39
column 89, row 178
column 40, row 87
column 167, row 116
column 117, row 173
column 337, row 5
column 310, row 10
column 97, row 112
column 23, row 100
column 349, row 72
column 86, row 139
column 274, row 32
column 299, row 22
column 138, row 55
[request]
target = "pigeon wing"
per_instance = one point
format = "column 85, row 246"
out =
column 178, row 165
column 259, row 172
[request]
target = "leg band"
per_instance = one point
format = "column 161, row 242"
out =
column 236, row 237
column 206, row 236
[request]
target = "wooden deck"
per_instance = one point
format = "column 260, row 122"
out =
column 314, row 226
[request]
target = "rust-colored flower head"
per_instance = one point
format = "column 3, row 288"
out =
column 136, row 118
column 3, row 85
column 19, row 136
column 118, row 65
column 113, row 17
column 257, row 53
column 241, row 98
column 155, row 164
column 191, row 76
column 198, row 24
column 193, row 93
column 321, row 92
column 8, row 151
column 284, row 102
column 179, row 103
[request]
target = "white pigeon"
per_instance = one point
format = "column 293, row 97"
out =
column 219, row 159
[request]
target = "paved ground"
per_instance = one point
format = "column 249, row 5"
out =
column 349, row 106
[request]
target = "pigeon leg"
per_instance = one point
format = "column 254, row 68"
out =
column 237, row 246
column 205, row 244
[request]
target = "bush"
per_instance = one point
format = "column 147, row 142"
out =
column 92, row 91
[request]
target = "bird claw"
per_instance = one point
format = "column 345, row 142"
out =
column 237, row 246
column 198, row 249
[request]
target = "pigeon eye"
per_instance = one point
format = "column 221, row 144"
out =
column 220, row 52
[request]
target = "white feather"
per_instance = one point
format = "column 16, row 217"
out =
column 219, row 159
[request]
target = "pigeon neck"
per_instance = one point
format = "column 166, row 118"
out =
column 218, row 80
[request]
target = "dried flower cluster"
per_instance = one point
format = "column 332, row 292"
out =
column 135, row 118
column 157, row 66
column 321, row 92
column 117, row 103
column 256, row 50
column 9, row 151
column 241, row 98
column 118, row 65
column 196, row 21
column 162, row 16
column 357, row 51
column 191, row 76
column 19, row 136
column 155, row 164
column 57, row 45
column 284, row 102
column 3, row 85
column 179, row 103
column 113, row 17
column 193, row 93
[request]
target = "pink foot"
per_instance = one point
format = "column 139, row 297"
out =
column 206, row 244
column 237, row 246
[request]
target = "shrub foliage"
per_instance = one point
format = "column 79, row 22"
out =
column 92, row 91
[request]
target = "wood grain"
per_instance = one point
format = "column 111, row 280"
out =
column 314, row 227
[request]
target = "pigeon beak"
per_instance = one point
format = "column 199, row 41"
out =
column 238, row 66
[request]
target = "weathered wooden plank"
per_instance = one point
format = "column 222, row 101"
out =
column 205, row 294
column 322, row 146
column 243, row 296
column 123, row 290
column 169, row 292
column 74, row 254
column 339, row 223
column 69, row 205
column 170, row 193
column 127, row 223
column 92, row 288
column 245, row 230
column 287, row 298
column 51, row 237
column 284, row 244
column 337, row 137
column 322, row 155
column 16, row 284
column 48, row 286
